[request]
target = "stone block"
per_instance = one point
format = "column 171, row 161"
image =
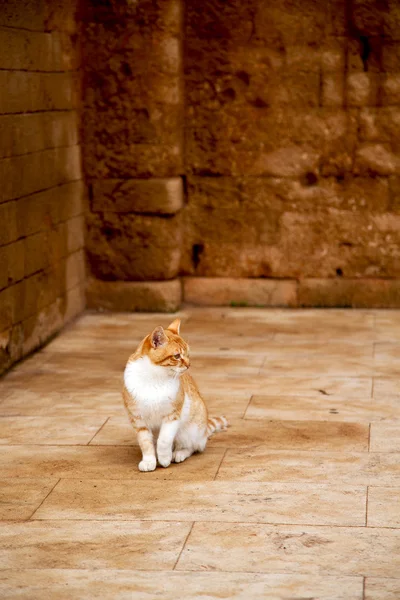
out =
column 75, row 302
column 35, row 91
column 25, row 15
column 151, row 296
column 362, row 89
column 159, row 196
column 12, row 263
column 60, row 15
column 7, row 308
column 8, row 222
column 381, row 125
column 130, row 141
column 390, row 90
column 349, row 293
column 133, row 247
column 38, row 212
column 28, row 133
column 16, row 261
column 356, row 194
column 376, row 159
column 256, row 141
column 41, row 170
column 75, row 269
column 220, row 291
column 336, row 242
column 40, row 327
column 36, row 253
column 367, row 16
column 332, row 92
column 25, row 50
column 391, row 20
column 391, row 56
column 232, row 210
column 75, row 229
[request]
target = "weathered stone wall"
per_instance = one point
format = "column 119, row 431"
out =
column 133, row 148
column 41, row 192
column 291, row 153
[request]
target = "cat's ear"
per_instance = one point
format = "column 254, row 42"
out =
column 175, row 326
column 158, row 337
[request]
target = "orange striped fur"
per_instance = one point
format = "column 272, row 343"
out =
column 163, row 402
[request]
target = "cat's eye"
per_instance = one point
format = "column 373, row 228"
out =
column 177, row 356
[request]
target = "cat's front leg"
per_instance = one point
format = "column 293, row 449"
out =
column 168, row 431
column 146, row 443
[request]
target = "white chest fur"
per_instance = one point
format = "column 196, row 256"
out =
column 154, row 389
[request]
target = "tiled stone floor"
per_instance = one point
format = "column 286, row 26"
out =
column 299, row 499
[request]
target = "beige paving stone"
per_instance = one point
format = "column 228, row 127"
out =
column 387, row 326
column 387, row 359
column 384, row 387
column 19, row 401
column 91, row 545
column 383, row 507
column 292, row 549
column 311, row 435
column 263, row 464
column 110, row 584
column 308, row 363
column 96, row 462
column 322, row 408
column 49, row 430
column 379, row 588
column 19, row 498
column 385, row 437
column 218, row 501
column 349, row 387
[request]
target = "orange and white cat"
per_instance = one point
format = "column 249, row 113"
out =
column 163, row 402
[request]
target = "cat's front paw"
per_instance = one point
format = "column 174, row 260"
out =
column 165, row 459
column 148, row 464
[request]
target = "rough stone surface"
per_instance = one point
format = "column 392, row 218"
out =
column 133, row 247
column 154, row 296
column 41, row 194
column 132, row 90
column 353, row 293
column 225, row 291
column 159, row 196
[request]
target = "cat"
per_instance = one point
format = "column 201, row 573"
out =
column 162, row 399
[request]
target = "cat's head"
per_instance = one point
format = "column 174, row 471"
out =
column 167, row 349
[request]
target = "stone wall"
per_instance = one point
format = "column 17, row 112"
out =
column 286, row 188
column 41, row 192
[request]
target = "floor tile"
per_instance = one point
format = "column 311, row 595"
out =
column 378, row 588
column 385, row 437
column 348, row 387
column 211, row 501
column 91, row 545
column 97, row 462
column 94, row 401
column 112, row 584
column 49, row 430
column 384, row 387
column 263, row 464
column 387, row 359
column 387, row 326
column 19, row 498
column 383, row 507
column 305, row 435
column 292, row 549
column 302, row 435
column 322, row 408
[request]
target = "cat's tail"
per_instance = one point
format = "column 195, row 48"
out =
column 215, row 424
